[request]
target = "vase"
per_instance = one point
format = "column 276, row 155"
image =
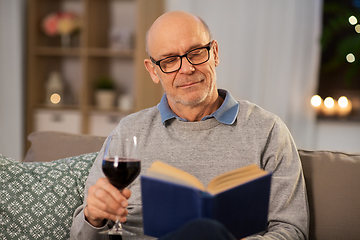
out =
column 66, row 40
column 105, row 99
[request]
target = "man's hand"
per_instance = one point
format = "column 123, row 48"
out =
column 106, row 202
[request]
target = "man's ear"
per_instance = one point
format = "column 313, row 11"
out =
column 151, row 69
column 216, row 53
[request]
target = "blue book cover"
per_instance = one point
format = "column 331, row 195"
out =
column 168, row 205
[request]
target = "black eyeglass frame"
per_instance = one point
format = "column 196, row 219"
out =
column 207, row 46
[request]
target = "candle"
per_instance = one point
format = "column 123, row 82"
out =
column 345, row 106
column 330, row 106
column 317, row 103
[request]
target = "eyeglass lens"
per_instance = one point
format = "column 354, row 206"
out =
column 195, row 57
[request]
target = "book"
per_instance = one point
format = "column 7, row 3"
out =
column 171, row 197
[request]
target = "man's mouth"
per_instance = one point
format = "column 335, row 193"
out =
column 189, row 84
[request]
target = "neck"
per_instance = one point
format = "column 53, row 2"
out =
column 196, row 113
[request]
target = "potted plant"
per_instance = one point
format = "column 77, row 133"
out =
column 105, row 93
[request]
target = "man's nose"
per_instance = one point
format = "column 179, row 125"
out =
column 186, row 66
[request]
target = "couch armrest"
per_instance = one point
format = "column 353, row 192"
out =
column 332, row 181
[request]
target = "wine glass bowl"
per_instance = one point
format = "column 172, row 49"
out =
column 121, row 171
column 121, row 167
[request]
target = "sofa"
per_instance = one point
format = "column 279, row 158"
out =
column 39, row 195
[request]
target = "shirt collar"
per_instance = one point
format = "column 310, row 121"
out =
column 227, row 113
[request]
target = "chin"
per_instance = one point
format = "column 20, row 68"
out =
column 194, row 101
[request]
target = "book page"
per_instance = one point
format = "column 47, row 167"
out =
column 226, row 185
column 220, row 183
column 167, row 172
column 234, row 178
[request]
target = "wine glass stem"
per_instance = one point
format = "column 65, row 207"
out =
column 118, row 225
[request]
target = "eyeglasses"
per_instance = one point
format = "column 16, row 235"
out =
column 195, row 57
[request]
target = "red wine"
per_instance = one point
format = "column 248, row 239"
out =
column 123, row 174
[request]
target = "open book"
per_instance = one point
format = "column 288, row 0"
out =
column 171, row 197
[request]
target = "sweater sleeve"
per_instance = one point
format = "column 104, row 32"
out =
column 288, row 208
column 81, row 229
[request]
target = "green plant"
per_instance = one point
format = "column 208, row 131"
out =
column 104, row 83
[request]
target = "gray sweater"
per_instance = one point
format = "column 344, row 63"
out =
column 206, row 149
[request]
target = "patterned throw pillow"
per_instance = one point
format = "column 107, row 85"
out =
column 37, row 200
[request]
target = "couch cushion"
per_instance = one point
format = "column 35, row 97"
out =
column 48, row 146
column 37, row 200
column 333, row 185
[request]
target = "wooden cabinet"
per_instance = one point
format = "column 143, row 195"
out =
column 93, row 52
column 57, row 120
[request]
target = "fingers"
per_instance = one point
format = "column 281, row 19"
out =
column 106, row 202
column 104, row 185
column 126, row 193
column 99, row 222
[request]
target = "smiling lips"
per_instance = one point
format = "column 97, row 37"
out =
column 188, row 84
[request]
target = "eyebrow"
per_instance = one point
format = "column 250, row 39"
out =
column 177, row 54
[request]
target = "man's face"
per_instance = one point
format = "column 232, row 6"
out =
column 191, row 85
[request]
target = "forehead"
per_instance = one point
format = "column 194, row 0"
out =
column 176, row 35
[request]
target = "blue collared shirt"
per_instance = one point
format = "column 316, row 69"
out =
column 227, row 113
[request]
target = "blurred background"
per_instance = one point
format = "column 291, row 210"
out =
column 77, row 65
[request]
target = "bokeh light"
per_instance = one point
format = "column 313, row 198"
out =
column 343, row 102
column 55, row 98
column 316, row 101
column 357, row 28
column 350, row 58
column 329, row 102
column 353, row 20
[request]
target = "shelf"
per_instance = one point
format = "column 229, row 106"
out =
column 58, row 51
column 116, row 111
column 95, row 51
column 92, row 109
column 59, row 107
column 350, row 118
column 103, row 52
column 57, row 120
column 91, row 52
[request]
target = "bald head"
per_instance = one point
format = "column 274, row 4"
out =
column 181, row 40
column 172, row 26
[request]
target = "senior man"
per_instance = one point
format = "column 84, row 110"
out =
column 200, row 129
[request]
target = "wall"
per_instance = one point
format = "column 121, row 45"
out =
column 11, row 78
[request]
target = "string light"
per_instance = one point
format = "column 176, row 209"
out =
column 350, row 58
column 353, row 20
column 357, row 28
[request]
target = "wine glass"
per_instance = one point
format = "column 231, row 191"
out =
column 121, row 167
